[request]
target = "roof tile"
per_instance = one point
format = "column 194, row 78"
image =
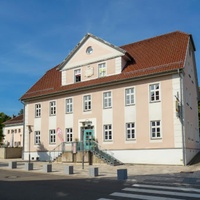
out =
column 155, row 55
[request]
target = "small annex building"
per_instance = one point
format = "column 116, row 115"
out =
column 13, row 131
column 138, row 102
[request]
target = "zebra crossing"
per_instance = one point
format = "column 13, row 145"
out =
column 155, row 192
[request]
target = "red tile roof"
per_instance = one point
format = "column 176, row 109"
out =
column 159, row 54
column 16, row 120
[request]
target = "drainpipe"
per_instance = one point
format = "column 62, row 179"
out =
column 182, row 117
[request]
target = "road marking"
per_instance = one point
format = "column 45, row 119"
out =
column 167, row 187
column 144, row 197
column 162, row 192
column 104, row 199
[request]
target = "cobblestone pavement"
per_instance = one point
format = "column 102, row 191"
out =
column 182, row 174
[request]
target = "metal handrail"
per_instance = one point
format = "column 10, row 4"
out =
column 58, row 150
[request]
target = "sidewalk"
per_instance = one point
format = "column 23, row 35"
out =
column 106, row 171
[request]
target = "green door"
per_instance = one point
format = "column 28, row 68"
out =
column 88, row 138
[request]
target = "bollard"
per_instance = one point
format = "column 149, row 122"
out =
column 12, row 165
column 69, row 170
column 121, row 174
column 93, row 171
column 29, row 166
column 47, row 168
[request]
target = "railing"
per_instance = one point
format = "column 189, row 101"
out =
column 59, row 150
column 74, row 147
column 104, row 154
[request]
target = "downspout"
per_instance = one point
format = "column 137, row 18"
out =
column 182, row 117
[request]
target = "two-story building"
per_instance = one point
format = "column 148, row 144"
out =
column 139, row 101
column 13, row 132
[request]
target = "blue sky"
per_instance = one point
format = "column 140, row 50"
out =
column 36, row 35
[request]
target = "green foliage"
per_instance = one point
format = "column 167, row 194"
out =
column 21, row 112
column 3, row 118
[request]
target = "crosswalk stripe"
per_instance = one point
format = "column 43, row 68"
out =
column 104, row 199
column 162, row 192
column 143, row 197
column 167, row 187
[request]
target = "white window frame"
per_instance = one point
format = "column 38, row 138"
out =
column 102, row 69
column 130, row 131
column 69, row 105
column 87, row 102
column 77, row 73
column 107, row 132
column 154, row 92
column 38, row 110
column 69, row 135
column 52, row 136
column 52, row 106
column 129, row 96
column 37, row 137
column 107, row 99
column 155, row 128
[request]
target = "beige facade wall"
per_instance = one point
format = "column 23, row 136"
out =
column 141, row 113
column 190, row 101
column 13, row 135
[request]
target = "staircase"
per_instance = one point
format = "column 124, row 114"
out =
column 94, row 148
column 57, row 152
column 103, row 155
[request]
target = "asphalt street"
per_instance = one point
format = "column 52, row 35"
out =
column 146, row 182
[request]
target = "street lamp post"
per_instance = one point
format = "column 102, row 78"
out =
column 30, row 131
column 83, row 129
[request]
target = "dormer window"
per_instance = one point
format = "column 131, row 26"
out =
column 102, row 69
column 77, row 75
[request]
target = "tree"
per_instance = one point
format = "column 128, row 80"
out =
column 21, row 112
column 3, row 118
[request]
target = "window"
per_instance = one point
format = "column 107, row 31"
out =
column 154, row 92
column 37, row 110
column 8, row 131
column 69, row 135
column 77, row 75
column 130, row 131
column 87, row 102
column 69, row 105
column 107, row 100
column 155, row 129
column 129, row 96
column 102, row 69
column 19, row 130
column 37, row 137
column 52, row 108
column 107, row 132
column 52, row 136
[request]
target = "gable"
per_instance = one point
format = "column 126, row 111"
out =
column 91, row 49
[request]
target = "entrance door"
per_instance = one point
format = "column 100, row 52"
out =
column 88, row 138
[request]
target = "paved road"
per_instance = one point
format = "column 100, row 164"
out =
column 154, row 192
column 145, row 182
column 15, row 185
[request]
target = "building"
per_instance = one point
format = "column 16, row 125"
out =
column 13, row 132
column 139, row 101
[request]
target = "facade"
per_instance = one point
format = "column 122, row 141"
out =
column 13, row 132
column 139, row 101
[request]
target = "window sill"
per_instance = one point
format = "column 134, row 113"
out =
column 157, row 101
column 133, row 104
